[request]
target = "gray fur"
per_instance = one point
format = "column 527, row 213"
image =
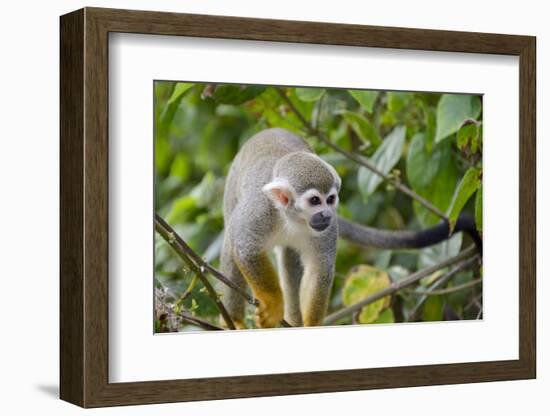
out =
column 234, row 302
column 316, row 285
column 290, row 272
column 253, row 224
column 298, row 167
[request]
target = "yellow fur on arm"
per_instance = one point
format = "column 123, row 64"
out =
column 262, row 279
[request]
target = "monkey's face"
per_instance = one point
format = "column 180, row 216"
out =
column 318, row 209
column 313, row 209
column 305, row 190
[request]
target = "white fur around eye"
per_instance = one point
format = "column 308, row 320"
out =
column 303, row 201
column 333, row 191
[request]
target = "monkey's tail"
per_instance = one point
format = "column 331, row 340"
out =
column 369, row 236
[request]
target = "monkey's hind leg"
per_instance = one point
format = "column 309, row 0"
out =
column 290, row 271
column 233, row 302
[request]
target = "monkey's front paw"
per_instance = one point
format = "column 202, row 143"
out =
column 239, row 324
column 269, row 314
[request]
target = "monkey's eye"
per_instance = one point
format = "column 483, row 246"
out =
column 330, row 199
column 315, row 200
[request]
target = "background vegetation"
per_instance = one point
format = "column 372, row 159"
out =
column 430, row 143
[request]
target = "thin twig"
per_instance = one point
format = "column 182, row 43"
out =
column 168, row 308
column 174, row 241
column 202, row 264
column 394, row 287
column 193, row 320
column 318, row 113
column 188, row 291
column 478, row 316
column 473, row 302
column 446, row 291
column 360, row 160
column 440, row 282
column 189, row 256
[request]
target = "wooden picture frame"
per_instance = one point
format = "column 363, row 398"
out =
column 84, row 207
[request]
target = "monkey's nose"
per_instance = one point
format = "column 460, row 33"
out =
column 320, row 221
column 320, row 227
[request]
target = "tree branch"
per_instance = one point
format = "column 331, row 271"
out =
column 166, row 311
column 448, row 290
column 360, row 160
column 396, row 286
column 188, row 291
column 188, row 251
column 440, row 282
column 182, row 250
column 198, row 265
column 193, row 320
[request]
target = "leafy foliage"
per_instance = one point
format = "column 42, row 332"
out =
column 433, row 175
column 453, row 110
column 365, row 98
column 384, row 159
column 430, row 142
column 364, row 281
column 464, row 190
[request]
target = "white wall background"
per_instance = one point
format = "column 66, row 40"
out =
column 29, row 183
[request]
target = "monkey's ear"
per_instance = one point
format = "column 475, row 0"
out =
column 279, row 192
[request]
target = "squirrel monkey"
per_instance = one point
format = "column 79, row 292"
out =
column 281, row 196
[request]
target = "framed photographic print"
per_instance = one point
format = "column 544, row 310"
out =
column 356, row 203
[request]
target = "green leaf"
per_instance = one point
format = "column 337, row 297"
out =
column 236, row 94
column 182, row 209
column 365, row 98
column 363, row 127
column 452, row 111
column 431, row 278
column 464, row 190
column 433, row 309
column 422, row 166
column 309, row 94
column 385, row 158
column 169, row 111
column 194, row 306
column 208, row 192
column 460, row 298
column 362, row 282
column 386, row 317
column 431, row 175
column 181, row 166
column 163, row 153
column 398, row 272
column 180, row 89
column 270, row 104
column 467, row 137
column 430, row 120
column 382, row 259
column 397, row 100
column 479, row 209
column 430, row 256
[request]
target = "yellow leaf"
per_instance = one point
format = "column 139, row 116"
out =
column 362, row 282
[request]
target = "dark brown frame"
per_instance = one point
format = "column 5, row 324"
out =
column 84, row 208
